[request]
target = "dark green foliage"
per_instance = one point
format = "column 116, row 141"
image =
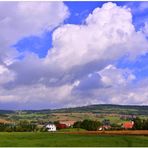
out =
column 22, row 126
column 25, row 126
column 137, row 124
column 106, row 122
column 77, row 124
column 89, row 125
column 2, row 127
column 56, row 122
column 140, row 124
column 145, row 124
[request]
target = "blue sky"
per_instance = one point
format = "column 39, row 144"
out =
column 73, row 53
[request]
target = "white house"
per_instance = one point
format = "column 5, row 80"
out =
column 51, row 127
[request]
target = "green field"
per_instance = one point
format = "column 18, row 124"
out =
column 72, row 130
column 93, row 112
column 65, row 140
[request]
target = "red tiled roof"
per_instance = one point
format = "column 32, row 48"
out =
column 128, row 125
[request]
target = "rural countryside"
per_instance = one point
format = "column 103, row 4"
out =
column 74, row 74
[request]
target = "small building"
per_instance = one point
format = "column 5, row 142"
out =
column 61, row 126
column 50, row 127
column 128, row 125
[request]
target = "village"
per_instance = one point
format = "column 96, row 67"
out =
column 68, row 125
column 101, row 123
column 87, row 124
column 52, row 127
column 72, row 122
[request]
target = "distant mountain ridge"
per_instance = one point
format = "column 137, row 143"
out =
column 97, row 108
column 108, row 108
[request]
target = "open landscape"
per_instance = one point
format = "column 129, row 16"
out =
column 115, row 113
column 32, row 130
column 73, row 73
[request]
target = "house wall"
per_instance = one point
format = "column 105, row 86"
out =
column 51, row 128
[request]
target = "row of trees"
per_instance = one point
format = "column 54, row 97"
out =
column 140, row 124
column 22, row 126
column 89, row 125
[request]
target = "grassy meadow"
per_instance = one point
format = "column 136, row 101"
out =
column 65, row 140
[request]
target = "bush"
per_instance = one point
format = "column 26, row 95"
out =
column 89, row 125
column 77, row 124
column 140, row 124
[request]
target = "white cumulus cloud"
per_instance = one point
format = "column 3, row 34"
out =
column 80, row 67
column 113, row 76
column 22, row 19
column 107, row 35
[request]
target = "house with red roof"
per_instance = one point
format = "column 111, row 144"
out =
column 128, row 125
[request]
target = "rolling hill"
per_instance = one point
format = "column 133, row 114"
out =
column 107, row 108
column 94, row 112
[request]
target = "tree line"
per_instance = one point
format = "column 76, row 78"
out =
column 89, row 125
column 140, row 124
column 22, row 126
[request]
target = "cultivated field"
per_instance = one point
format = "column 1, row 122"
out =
column 114, row 113
column 65, row 140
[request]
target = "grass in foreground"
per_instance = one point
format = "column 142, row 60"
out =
column 65, row 140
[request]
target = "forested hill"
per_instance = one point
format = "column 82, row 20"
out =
column 6, row 112
column 108, row 108
column 101, row 108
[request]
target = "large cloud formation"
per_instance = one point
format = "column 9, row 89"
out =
column 80, row 67
column 21, row 19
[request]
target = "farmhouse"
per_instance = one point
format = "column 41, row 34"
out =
column 128, row 125
column 50, row 127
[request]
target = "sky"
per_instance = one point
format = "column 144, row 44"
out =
column 68, row 54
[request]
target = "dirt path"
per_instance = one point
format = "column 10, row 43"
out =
column 121, row 132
